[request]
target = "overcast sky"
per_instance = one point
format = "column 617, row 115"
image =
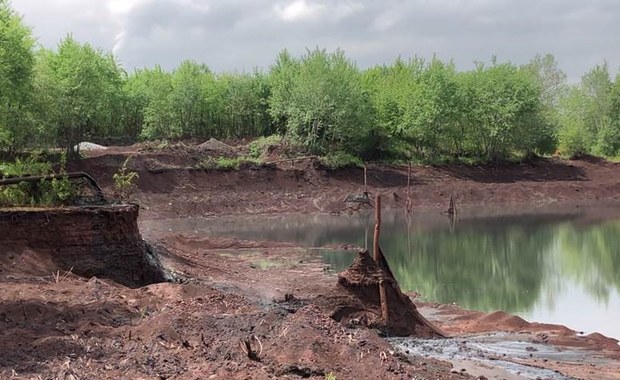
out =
column 237, row 35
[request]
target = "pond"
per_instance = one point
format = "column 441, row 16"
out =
column 551, row 264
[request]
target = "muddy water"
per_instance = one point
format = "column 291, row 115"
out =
column 547, row 264
column 495, row 351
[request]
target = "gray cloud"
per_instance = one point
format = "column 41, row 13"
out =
column 231, row 35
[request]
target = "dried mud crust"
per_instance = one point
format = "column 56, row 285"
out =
column 172, row 184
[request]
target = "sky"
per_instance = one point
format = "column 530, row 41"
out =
column 240, row 35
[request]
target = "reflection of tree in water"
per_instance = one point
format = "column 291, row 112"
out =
column 502, row 263
column 506, row 262
column 482, row 266
column 498, row 267
column 590, row 255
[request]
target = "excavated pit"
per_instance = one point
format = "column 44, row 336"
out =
column 101, row 241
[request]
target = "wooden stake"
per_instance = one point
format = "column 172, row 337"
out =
column 451, row 206
column 408, row 206
column 384, row 305
column 377, row 257
column 376, row 252
column 365, row 181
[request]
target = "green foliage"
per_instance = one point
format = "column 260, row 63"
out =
column 224, row 163
column 420, row 110
column 124, row 181
column 262, row 145
column 417, row 104
column 589, row 117
column 503, row 112
column 330, row 376
column 227, row 163
column 320, row 101
column 339, row 160
column 58, row 191
column 16, row 76
column 83, row 85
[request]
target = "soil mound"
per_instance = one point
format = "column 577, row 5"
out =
column 361, row 302
column 214, row 146
column 102, row 241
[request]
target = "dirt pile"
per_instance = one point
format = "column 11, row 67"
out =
column 360, row 302
column 216, row 147
column 102, row 241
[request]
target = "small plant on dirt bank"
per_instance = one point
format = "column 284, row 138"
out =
column 225, row 163
column 330, row 376
column 124, row 182
column 58, row 191
column 262, row 145
column 62, row 189
column 339, row 160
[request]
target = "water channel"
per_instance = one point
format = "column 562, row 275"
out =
column 552, row 264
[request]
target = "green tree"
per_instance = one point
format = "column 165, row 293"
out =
column 158, row 113
column 321, row 101
column 16, row 75
column 87, row 85
column 502, row 112
column 418, row 103
column 187, row 98
column 244, row 108
column 588, row 116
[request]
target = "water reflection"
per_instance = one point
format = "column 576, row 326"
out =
column 533, row 265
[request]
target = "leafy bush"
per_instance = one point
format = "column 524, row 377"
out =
column 262, row 145
column 340, row 160
column 58, row 191
column 224, row 163
column 124, row 181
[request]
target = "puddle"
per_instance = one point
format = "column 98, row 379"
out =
column 496, row 351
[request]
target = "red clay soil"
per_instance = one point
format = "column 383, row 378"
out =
column 171, row 184
column 361, row 301
column 228, row 319
column 247, row 310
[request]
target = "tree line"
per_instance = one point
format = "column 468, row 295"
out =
column 409, row 109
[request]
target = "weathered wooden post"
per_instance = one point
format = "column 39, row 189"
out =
column 377, row 257
column 376, row 253
column 409, row 205
column 365, row 181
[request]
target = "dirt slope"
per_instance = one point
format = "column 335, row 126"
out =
column 170, row 185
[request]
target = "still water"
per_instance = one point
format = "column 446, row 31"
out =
column 550, row 264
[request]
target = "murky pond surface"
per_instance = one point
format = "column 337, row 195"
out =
column 550, row 264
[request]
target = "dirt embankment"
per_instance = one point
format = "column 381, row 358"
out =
column 102, row 241
column 170, row 184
